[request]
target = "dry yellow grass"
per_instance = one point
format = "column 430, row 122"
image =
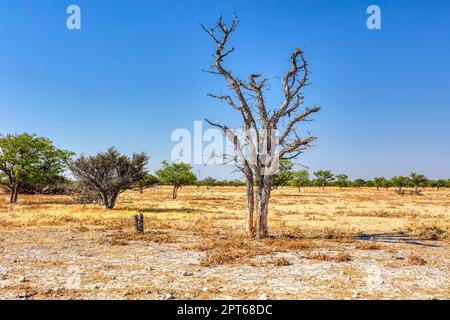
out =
column 204, row 229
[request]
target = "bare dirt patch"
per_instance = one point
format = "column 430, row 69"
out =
column 337, row 244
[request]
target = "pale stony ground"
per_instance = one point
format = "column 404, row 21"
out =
column 52, row 249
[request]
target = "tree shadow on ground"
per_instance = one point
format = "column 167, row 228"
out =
column 399, row 237
column 65, row 202
column 162, row 210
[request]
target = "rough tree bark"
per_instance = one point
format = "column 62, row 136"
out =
column 14, row 192
column 109, row 199
column 268, row 135
column 174, row 192
column 249, row 220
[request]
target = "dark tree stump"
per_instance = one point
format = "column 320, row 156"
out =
column 139, row 222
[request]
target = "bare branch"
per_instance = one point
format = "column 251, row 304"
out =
column 299, row 117
column 227, row 99
column 292, row 86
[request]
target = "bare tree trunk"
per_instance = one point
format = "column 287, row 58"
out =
column 174, row 192
column 109, row 199
column 263, row 188
column 14, row 193
column 299, row 189
column 249, row 223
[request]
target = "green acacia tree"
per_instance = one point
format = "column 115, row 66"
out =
column 417, row 180
column 387, row 184
column 400, row 182
column 342, row 180
column 176, row 175
column 379, row 182
column 324, row 177
column 300, row 179
column 147, row 181
column 29, row 159
column 441, row 183
column 359, row 182
column 208, row 182
column 284, row 173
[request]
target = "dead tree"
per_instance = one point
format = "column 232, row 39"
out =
column 268, row 134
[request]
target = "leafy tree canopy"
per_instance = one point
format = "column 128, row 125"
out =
column 177, row 175
column 29, row 159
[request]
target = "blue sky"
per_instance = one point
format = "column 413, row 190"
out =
column 132, row 75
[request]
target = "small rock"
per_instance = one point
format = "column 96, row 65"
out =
column 186, row 273
column 47, row 291
column 148, row 291
column 356, row 294
column 126, row 293
column 113, row 278
column 341, row 273
column 205, row 289
column 58, row 288
column 23, row 279
column 149, row 268
column 23, row 295
column 96, row 287
column 169, row 296
column 262, row 297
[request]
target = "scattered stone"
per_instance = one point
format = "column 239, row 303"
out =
column 148, row 291
column 58, row 288
column 149, row 268
column 356, row 294
column 126, row 293
column 113, row 278
column 48, row 291
column 341, row 273
column 205, row 289
column 169, row 296
column 23, row 295
column 96, row 287
column 23, row 279
column 186, row 273
column 262, row 297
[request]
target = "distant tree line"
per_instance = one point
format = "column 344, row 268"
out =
column 285, row 176
column 33, row 165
